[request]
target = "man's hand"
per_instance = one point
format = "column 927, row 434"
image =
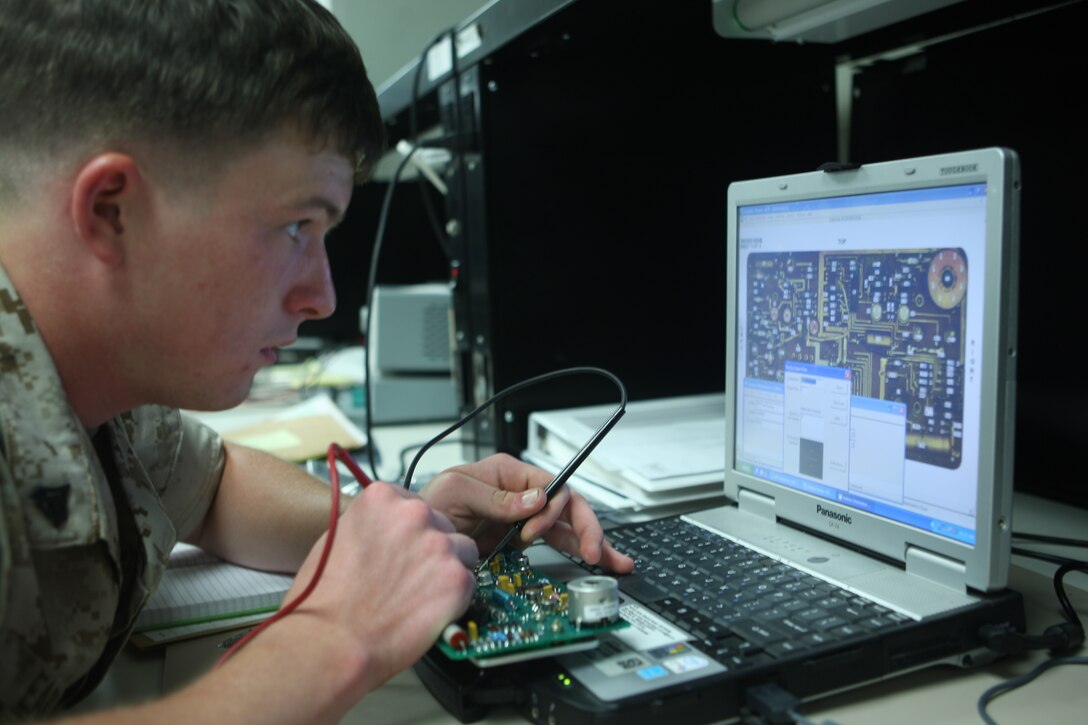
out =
column 484, row 499
column 398, row 573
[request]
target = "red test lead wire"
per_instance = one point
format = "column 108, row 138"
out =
column 335, row 452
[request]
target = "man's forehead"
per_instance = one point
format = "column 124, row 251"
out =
column 300, row 172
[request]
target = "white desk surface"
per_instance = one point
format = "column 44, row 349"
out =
column 935, row 695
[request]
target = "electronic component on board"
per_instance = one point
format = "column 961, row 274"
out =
column 455, row 637
column 517, row 614
column 593, row 600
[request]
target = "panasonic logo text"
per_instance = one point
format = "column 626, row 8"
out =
column 961, row 169
column 837, row 515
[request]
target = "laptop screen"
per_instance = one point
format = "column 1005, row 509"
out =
column 862, row 336
column 859, row 351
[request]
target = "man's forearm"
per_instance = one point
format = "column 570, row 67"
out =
column 267, row 513
column 324, row 676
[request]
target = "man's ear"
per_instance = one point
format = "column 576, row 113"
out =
column 106, row 192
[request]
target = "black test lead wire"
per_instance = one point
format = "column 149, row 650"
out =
column 568, row 470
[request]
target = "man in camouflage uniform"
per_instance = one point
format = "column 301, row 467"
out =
column 168, row 172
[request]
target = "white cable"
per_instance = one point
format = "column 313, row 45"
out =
column 423, row 159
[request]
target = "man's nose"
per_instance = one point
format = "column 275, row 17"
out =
column 314, row 296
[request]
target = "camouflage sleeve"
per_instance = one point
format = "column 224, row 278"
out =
column 199, row 469
column 183, row 458
column 9, row 511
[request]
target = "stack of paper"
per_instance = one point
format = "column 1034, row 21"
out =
column 200, row 593
column 295, row 433
column 664, row 454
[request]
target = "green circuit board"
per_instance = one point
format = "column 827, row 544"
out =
column 516, row 610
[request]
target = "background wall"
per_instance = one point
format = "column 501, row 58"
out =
column 391, row 33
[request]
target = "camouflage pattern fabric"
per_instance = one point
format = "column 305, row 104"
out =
column 61, row 573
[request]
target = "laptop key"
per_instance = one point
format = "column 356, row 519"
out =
column 808, row 616
column 725, row 616
column 731, row 652
column 814, row 639
column 797, row 629
column 827, row 623
column 851, row 613
column 783, row 649
column 641, row 589
column 753, row 606
column 698, row 621
column 740, row 663
column 878, row 622
column 830, row 603
column 683, row 612
column 758, row 633
column 846, row 631
column 716, row 631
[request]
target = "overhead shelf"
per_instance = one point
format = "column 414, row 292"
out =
column 483, row 33
column 813, row 21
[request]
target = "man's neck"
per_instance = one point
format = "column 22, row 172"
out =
column 67, row 316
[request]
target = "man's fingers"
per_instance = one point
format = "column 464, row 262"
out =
column 483, row 497
column 411, row 502
column 585, row 525
column 547, row 517
column 512, row 506
column 614, row 561
column 465, row 549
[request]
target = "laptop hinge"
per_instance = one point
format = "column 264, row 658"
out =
column 937, row 568
column 756, row 503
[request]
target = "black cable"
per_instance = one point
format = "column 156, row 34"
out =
column 1063, row 597
column 520, row 386
column 1045, row 539
column 372, row 275
column 1065, row 565
column 1013, row 683
column 416, row 446
column 1062, row 638
column 1043, row 556
column 774, row 705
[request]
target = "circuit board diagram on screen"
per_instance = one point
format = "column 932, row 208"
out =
column 893, row 320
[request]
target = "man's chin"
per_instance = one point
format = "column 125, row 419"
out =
column 215, row 401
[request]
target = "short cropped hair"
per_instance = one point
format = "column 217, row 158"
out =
column 202, row 76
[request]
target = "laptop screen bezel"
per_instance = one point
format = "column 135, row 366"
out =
column 985, row 563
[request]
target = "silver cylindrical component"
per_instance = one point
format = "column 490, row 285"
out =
column 593, row 600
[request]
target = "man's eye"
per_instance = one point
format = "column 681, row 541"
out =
column 294, row 230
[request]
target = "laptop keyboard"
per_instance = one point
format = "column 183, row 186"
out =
column 744, row 608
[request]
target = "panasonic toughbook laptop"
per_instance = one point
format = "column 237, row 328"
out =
column 871, row 339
